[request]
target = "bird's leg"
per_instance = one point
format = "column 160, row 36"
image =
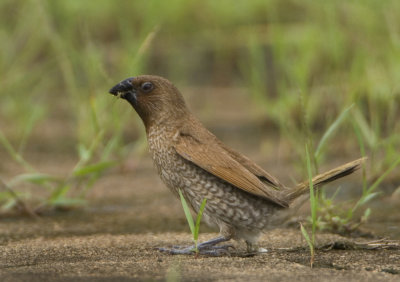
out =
column 207, row 248
column 252, row 248
column 212, row 242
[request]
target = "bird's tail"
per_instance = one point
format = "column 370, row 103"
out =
column 324, row 178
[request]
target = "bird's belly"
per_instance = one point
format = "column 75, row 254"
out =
column 226, row 204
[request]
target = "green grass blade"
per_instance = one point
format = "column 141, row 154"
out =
column 89, row 169
column 8, row 204
column 6, row 144
column 361, row 144
column 369, row 195
column 329, row 132
column 59, row 193
column 383, row 175
column 366, row 215
column 368, row 198
column 365, row 129
column 198, row 219
column 188, row 215
column 36, row 178
column 87, row 154
column 306, row 236
column 68, row 202
column 313, row 201
column 309, row 242
column 83, row 152
column 37, row 114
column 93, row 113
column 14, row 154
column 360, row 140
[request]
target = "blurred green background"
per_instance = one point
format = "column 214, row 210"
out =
column 298, row 64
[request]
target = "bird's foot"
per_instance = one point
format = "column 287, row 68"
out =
column 211, row 251
column 253, row 248
column 206, row 248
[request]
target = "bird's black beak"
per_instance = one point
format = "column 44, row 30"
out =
column 123, row 88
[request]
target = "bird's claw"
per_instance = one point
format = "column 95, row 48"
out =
column 203, row 250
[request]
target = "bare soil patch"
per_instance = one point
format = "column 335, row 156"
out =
column 107, row 257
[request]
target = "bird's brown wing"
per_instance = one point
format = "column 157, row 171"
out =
column 254, row 168
column 204, row 151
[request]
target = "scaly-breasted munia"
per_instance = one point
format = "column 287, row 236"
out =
column 242, row 198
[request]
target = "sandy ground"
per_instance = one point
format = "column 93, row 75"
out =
column 107, row 257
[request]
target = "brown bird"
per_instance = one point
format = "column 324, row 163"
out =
column 242, row 198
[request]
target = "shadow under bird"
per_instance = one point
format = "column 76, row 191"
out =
column 242, row 198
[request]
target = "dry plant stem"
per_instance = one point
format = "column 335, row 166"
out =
column 21, row 204
column 378, row 244
column 381, row 244
column 372, row 245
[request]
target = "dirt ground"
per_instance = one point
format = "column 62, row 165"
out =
column 108, row 257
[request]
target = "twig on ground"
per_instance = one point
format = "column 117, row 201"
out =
column 349, row 245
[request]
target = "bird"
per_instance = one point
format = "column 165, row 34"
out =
column 242, row 199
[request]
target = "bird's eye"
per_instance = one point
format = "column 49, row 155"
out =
column 147, row 87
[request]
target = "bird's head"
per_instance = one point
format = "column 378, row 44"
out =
column 154, row 98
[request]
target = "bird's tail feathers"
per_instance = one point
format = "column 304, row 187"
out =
column 324, row 178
